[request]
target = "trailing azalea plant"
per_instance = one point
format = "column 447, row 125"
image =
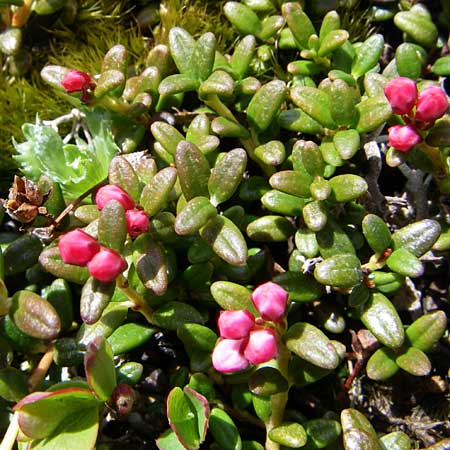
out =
column 234, row 209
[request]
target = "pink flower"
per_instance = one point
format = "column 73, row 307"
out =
column 137, row 222
column 77, row 247
column 113, row 192
column 261, row 346
column 106, row 265
column 403, row 137
column 270, row 300
column 431, row 104
column 228, row 356
column 401, row 93
column 235, row 324
column 74, row 81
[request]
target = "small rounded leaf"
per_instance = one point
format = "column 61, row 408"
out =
column 289, row 434
column 339, row 271
column 34, row 316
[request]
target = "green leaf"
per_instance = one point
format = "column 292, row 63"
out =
column 194, row 215
column 41, row 413
column 110, row 82
column 95, row 296
column 226, row 175
column 299, row 24
column 232, row 296
column 417, row 237
column 439, row 135
column 201, row 407
column 315, row 103
column 376, row 233
column 397, row 440
column 34, row 315
column 265, row 104
column 121, row 173
column 410, row 59
column 345, row 188
column 172, row 315
column 113, row 315
column 381, row 318
column 382, row 365
column 226, row 240
column 315, row 215
column 151, row 264
column 306, row 242
column 167, row 135
column 441, row 66
column 169, row 441
column 282, row 203
column 289, row 434
column 333, row 240
column 99, row 367
column 331, row 41
column 424, row 332
column 418, row 26
column 292, row 182
column 197, row 336
column 112, row 227
column 218, row 83
column 414, row 361
column 367, row 55
column 301, row 287
column 267, row 381
column 352, row 419
column 242, row 18
column 129, row 336
column 330, row 22
column 21, row 253
column 373, row 112
column 193, row 170
column 272, row 153
column 243, row 55
column 387, row 282
column 228, row 128
column 183, row 419
column 311, row 344
column 360, row 440
column 13, row 385
column 347, row 143
column 182, row 46
column 322, row 432
column 155, row 194
column 202, row 59
column 270, row 228
column 295, row 119
column 224, row 431
column 339, row 271
column 405, row 263
column 81, row 428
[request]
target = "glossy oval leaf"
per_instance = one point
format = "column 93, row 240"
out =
column 342, row 271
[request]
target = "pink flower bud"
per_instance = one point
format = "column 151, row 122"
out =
column 261, row 346
column 106, row 265
column 403, row 137
column 137, row 222
column 270, row 300
column 74, row 81
column 401, row 93
column 113, row 192
column 431, row 104
column 227, row 355
column 235, row 324
column 77, row 247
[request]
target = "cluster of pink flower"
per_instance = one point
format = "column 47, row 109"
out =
column 419, row 110
column 79, row 248
column 245, row 340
